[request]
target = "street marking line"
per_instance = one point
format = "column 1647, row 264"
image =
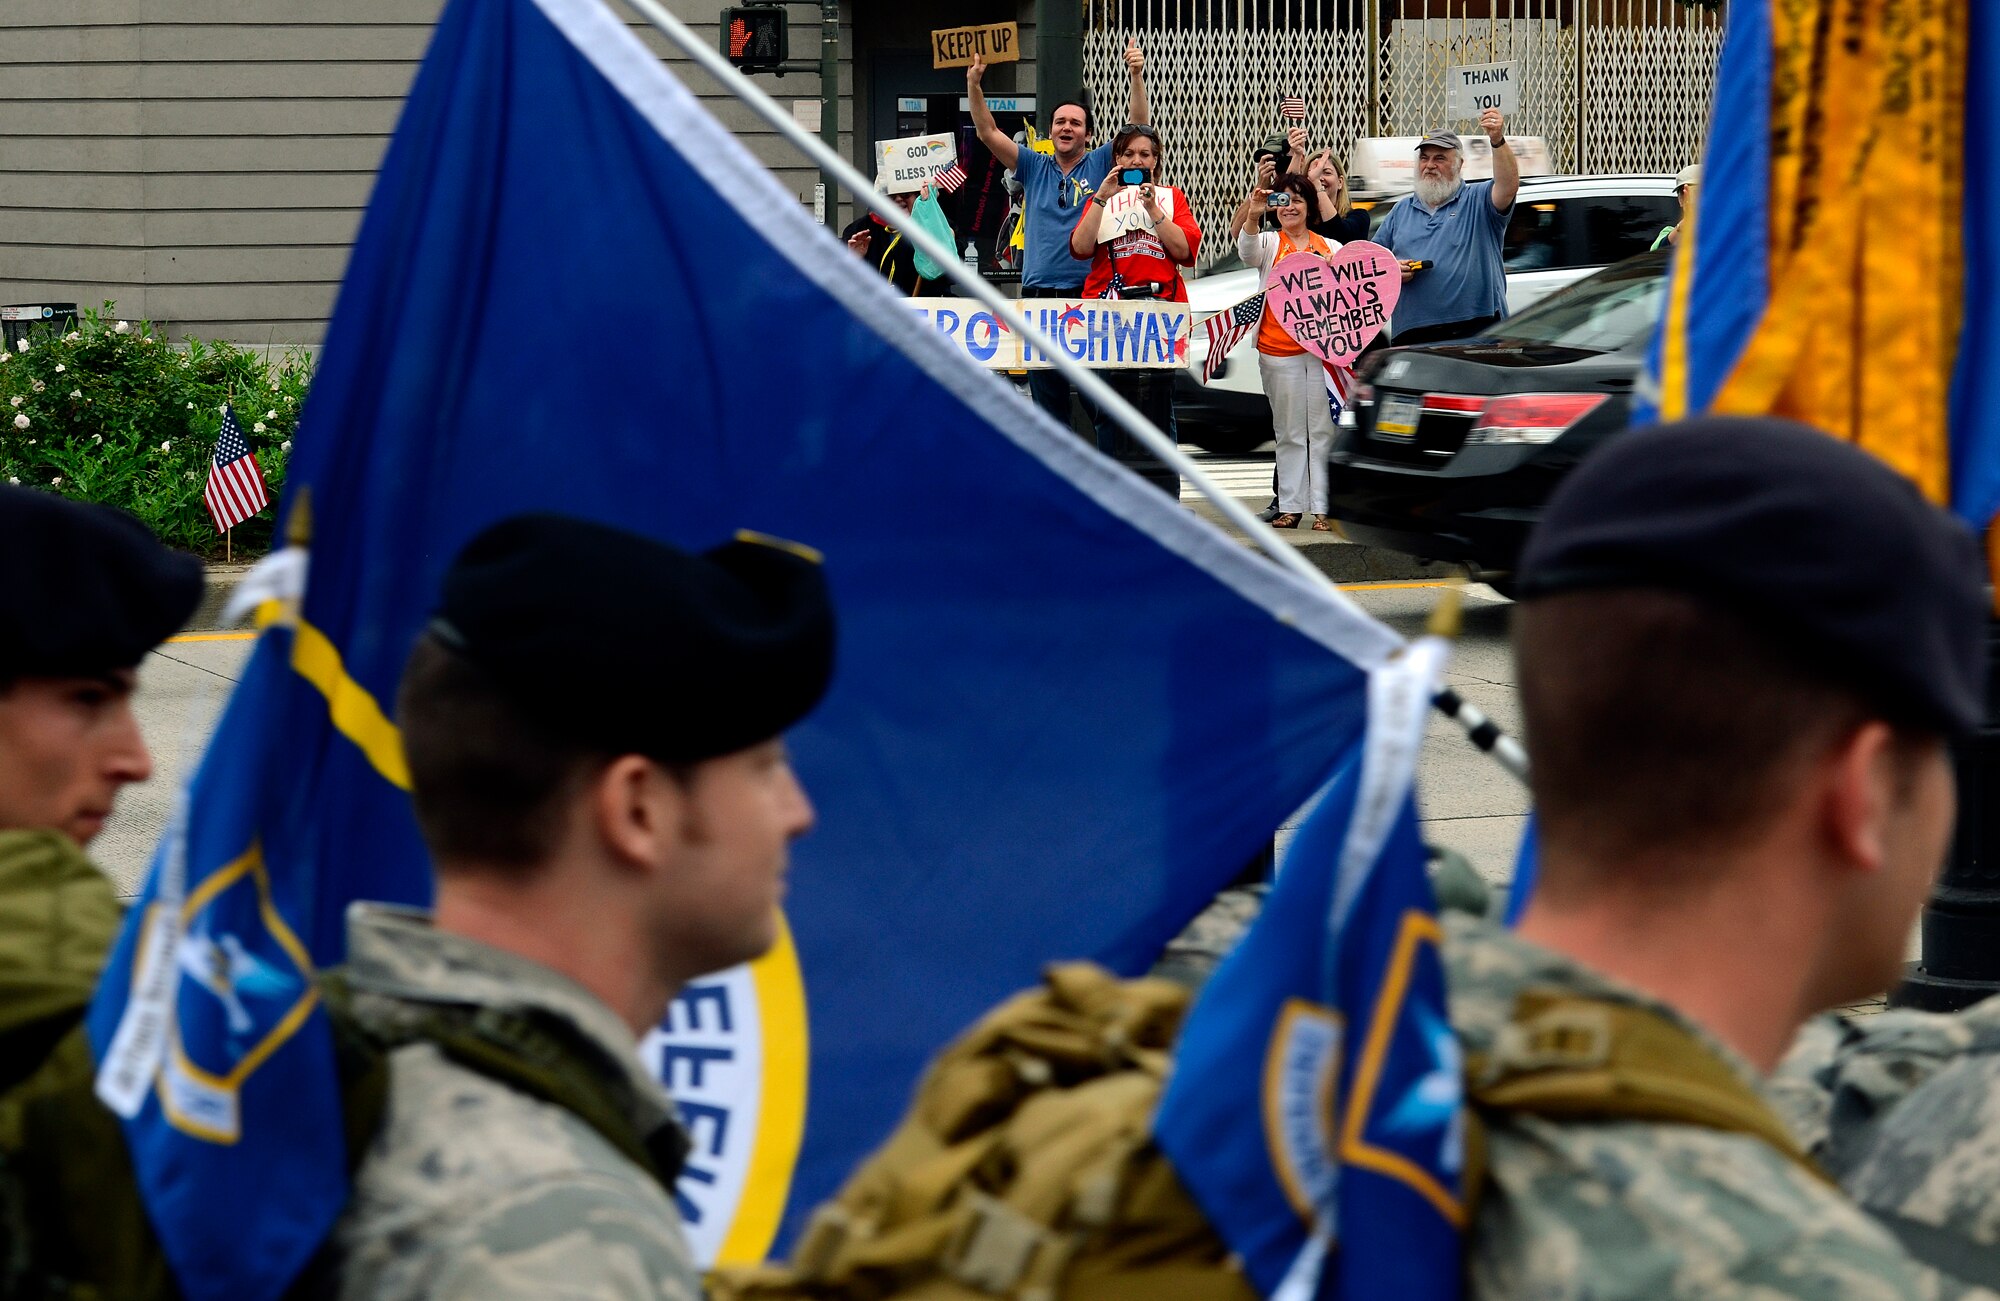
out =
column 1386, row 587
column 179, row 638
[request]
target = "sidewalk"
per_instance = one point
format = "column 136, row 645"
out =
column 1331, row 554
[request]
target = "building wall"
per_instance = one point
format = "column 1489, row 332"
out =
column 204, row 163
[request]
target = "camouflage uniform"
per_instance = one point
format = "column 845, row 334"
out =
column 1904, row 1108
column 1605, row 1210
column 472, row 1189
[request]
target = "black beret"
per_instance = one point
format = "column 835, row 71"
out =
column 87, row 588
column 1814, row 541
column 631, row 646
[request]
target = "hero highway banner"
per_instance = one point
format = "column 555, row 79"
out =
column 1104, row 334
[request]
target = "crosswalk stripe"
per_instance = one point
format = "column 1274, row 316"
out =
column 1239, row 476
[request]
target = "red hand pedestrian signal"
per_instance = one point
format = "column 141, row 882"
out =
column 754, row 37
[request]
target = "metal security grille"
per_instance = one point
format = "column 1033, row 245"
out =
column 1635, row 101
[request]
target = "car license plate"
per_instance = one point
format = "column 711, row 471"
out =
column 1396, row 419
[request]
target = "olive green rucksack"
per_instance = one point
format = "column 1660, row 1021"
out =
column 72, row 1224
column 1026, row 1169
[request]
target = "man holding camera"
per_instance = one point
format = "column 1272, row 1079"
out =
column 1454, row 229
column 1151, row 235
column 1052, row 190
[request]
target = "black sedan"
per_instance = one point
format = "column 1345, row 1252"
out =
column 1448, row 451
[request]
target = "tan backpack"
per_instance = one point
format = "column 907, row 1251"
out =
column 1026, row 1167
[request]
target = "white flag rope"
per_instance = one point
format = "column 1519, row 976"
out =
column 1483, row 732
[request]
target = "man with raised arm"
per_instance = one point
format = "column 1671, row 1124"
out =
column 1053, row 191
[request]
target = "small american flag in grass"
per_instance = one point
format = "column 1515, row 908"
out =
column 1226, row 329
column 1292, row 109
column 235, row 489
column 949, row 178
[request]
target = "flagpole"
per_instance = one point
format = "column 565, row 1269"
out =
column 1483, row 732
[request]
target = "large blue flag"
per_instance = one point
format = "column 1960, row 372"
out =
column 1315, row 1111
column 1065, row 711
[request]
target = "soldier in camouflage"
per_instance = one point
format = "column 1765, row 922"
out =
column 591, row 723
column 1696, row 786
column 1742, row 647
column 1903, row 1107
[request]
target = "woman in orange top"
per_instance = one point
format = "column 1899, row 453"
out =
column 1294, row 379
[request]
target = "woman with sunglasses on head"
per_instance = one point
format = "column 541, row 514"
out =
column 1141, row 256
column 1294, row 379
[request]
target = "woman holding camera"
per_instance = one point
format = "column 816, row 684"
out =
column 1294, row 379
column 1150, row 236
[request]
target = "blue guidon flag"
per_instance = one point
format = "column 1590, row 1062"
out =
column 1316, row 1108
column 1066, row 711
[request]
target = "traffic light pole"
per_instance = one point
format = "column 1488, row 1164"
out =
column 1961, row 924
column 829, row 100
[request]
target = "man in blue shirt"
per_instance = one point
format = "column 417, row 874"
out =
column 1053, row 192
column 1458, row 229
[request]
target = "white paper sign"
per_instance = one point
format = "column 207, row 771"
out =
column 1125, row 212
column 902, row 166
column 1472, row 89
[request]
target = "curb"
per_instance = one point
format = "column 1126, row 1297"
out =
column 221, row 584
column 1343, row 562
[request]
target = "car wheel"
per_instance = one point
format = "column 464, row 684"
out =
column 1235, row 440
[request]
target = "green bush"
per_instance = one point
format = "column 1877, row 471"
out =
column 110, row 412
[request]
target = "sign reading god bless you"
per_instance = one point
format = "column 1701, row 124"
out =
column 1475, row 87
column 1102, row 334
column 1335, row 307
column 955, row 47
column 902, row 166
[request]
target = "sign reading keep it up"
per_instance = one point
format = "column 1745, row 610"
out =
column 956, row 47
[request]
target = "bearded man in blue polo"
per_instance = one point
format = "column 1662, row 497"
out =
column 1457, row 227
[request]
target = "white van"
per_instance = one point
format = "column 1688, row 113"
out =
column 1385, row 167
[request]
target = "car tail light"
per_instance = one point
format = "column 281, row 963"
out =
column 1361, row 395
column 1531, row 417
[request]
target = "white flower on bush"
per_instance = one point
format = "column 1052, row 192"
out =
column 285, row 446
column 56, row 482
column 270, row 415
column 22, row 422
column 60, row 368
column 76, row 392
column 21, row 345
column 274, row 386
column 71, row 337
column 190, row 406
column 257, row 428
column 167, row 447
column 38, row 386
column 96, row 439
column 123, row 327
column 16, row 401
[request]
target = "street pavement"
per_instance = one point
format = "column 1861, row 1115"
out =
column 1469, row 804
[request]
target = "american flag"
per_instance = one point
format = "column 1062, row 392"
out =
column 1339, row 387
column 235, row 489
column 1292, row 109
column 1226, row 329
column 949, row 178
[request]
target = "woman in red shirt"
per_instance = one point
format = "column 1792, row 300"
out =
column 1142, row 261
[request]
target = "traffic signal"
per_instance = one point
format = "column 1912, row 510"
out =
column 754, row 38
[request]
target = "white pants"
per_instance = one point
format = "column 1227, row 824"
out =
column 1296, row 387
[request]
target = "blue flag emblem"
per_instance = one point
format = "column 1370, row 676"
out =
column 1337, row 1171
column 1053, row 735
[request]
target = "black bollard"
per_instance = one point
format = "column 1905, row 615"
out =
column 1961, row 924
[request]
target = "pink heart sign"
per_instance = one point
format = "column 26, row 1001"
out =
column 1334, row 307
